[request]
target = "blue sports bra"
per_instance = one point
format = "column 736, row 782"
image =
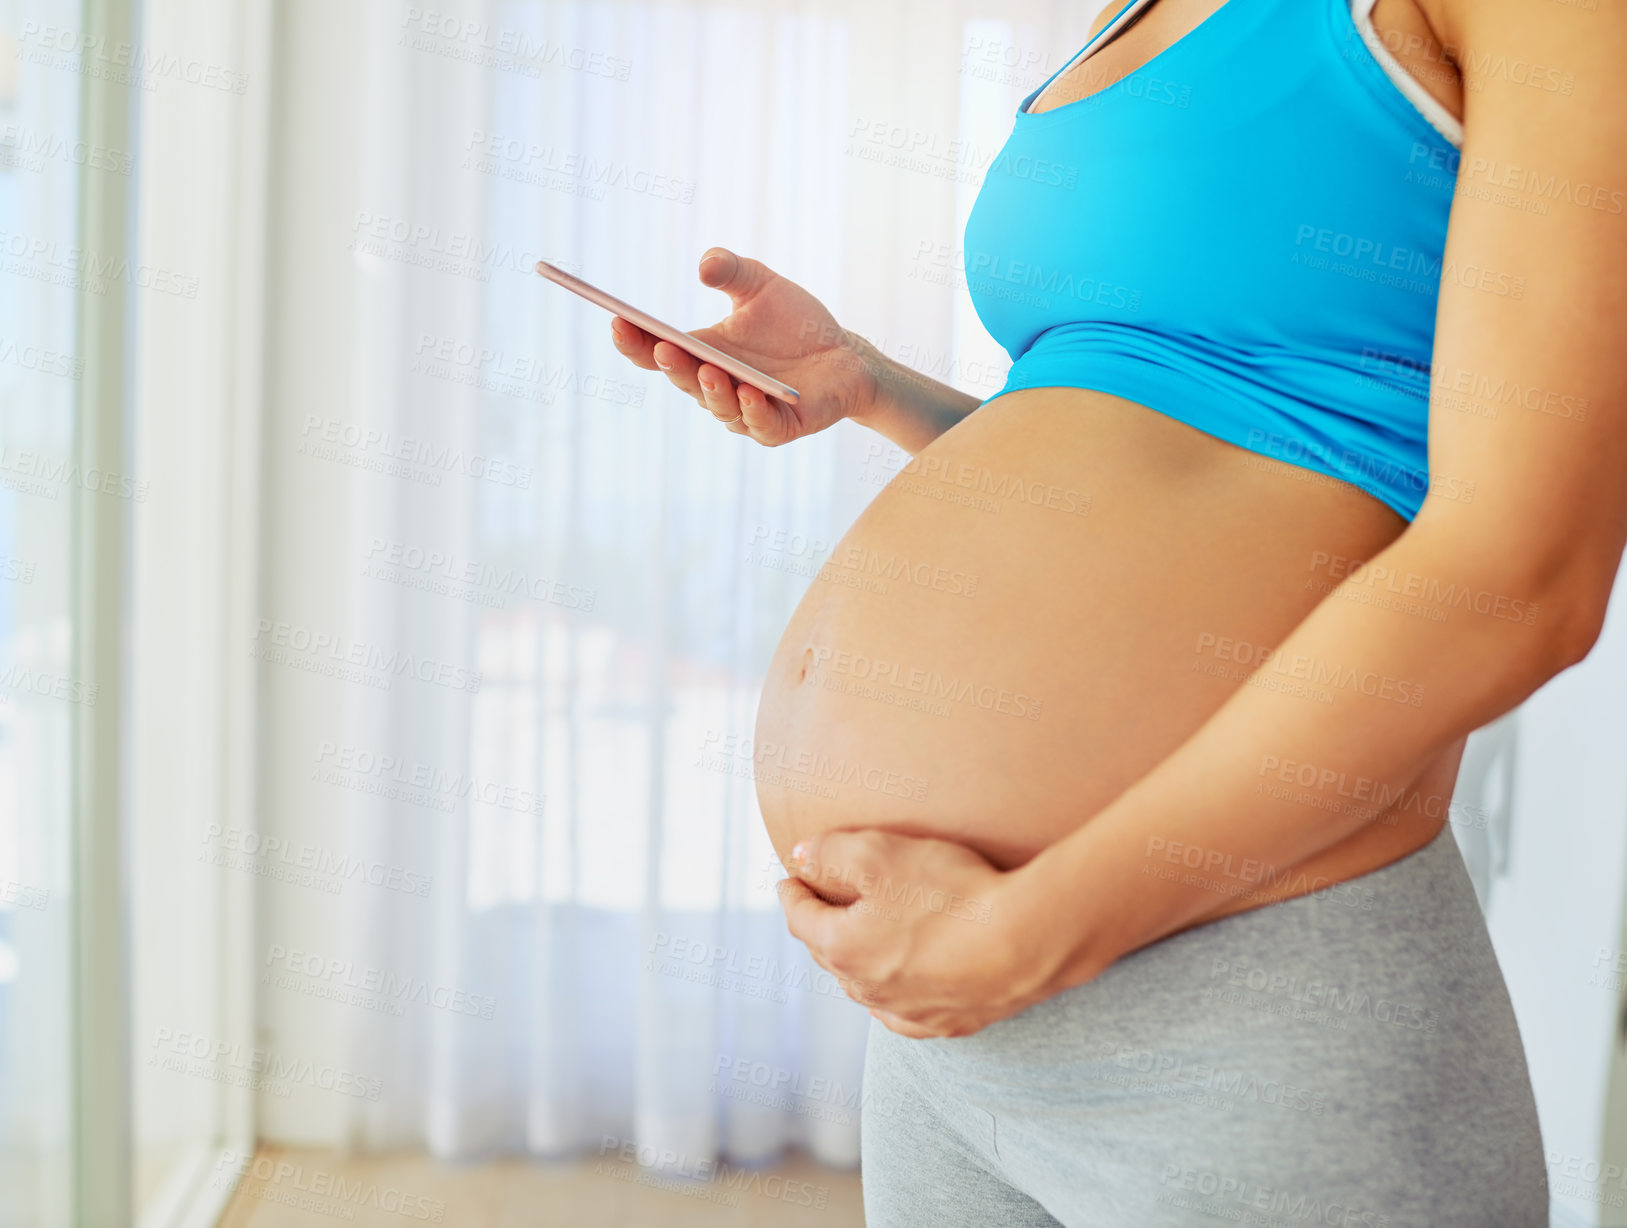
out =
column 1246, row 234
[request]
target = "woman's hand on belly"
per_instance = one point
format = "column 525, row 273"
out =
column 926, row 933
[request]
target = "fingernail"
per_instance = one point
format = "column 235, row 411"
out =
column 706, row 383
column 663, row 364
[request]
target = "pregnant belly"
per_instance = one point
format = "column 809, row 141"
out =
column 1053, row 596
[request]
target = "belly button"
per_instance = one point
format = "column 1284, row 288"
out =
column 807, row 664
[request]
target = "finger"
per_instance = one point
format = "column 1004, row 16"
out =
column 633, row 342
column 897, row 1023
column 809, row 918
column 820, row 927
column 766, row 420
column 678, row 366
column 739, row 277
column 843, row 864
column 824, row 928
column 717, row 391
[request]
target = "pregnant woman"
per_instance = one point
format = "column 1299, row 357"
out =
column 1309, row 463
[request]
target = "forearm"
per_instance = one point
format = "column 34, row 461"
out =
column 907, row 407
column 1276, row 776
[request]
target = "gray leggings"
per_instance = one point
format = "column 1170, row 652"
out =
column 1345, row 1058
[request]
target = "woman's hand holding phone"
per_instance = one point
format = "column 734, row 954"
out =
column 777, row 327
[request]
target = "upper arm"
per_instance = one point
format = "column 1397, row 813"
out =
column 1529, row 384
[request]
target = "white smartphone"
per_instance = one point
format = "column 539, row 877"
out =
column 743, row 372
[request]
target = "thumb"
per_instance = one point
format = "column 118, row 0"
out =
column 841, row 865
column 740, row 277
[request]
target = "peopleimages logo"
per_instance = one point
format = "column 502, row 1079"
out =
column 126, row 63
column 519, row 158
column 1241, row 973
column 1430, row 589
column 1380, row 262
column 434, row 458
column 30, row 147
column 519, row 51
column 447, row 251
column 82, row 268
column 219, row 1056
column 995, row 273
column 1310, row 670
column 1280, row 1205
column 1236, row 1084
column 745, row 972
column 1245, row 877
column 22, row 680
column 769, row 758
column 782, row 1080
column 325, row 652
column 925, row 682
column 40, row 469
column 321, row 1191
column 412, row 775
column 389, row 987
column 514, row 374
column 390, row 560
column 30, row 357
column 241, row 848
column 21, row 895
column 718, row 1180
column 1374, row 795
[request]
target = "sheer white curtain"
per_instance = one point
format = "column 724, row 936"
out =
column 589, row 575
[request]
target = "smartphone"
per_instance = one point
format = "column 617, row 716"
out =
column 690, row 345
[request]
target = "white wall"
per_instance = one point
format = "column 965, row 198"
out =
column 1561, row 906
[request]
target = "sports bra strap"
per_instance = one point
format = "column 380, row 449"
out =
column 1111, row 30
column 1100, row 39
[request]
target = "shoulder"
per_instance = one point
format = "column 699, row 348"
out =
column 1109, row 11
column 1483, row 36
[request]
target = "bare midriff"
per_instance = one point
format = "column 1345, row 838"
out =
column 1036, row 610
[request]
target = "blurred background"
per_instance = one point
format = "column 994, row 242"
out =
column 372, row 637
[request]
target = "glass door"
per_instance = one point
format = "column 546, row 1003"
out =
column 41, row 373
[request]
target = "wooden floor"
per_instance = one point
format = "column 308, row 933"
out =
column 296, row 1188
